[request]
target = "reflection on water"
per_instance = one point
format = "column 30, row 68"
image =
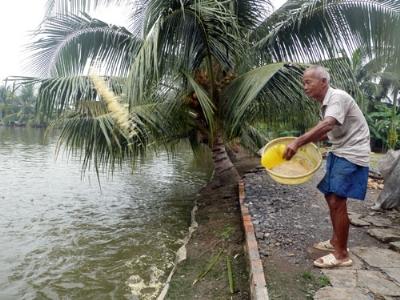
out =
column 63, row 238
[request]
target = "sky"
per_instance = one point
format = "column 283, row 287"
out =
column 20, row 18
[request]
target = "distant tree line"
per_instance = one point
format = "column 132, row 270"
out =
column 17, row 106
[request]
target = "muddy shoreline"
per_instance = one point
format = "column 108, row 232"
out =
column 219, row 236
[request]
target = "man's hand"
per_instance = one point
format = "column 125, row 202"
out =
column 291, row 150
column 313, row 135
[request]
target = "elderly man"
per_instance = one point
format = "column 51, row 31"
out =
column 343, row 123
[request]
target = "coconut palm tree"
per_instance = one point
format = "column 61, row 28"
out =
column 202, row 70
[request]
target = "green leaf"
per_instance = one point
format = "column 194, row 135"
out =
column 243, row 90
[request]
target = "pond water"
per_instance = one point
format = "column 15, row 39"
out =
column 62, row 237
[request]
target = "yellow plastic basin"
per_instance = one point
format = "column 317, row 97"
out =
column 305, row 162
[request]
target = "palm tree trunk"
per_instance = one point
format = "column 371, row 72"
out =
column 225, row 171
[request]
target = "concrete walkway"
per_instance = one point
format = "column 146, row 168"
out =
column 375, row 273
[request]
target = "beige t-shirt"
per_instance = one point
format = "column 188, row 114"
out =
column 350, row 138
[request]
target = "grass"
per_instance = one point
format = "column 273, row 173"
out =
column 320, row 281
column 295, row 284
column 307, row 275
column 214, row 285
column 324, row 281
column 226, row 232
column 313, row 283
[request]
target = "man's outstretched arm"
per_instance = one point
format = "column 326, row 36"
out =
column 316, row 133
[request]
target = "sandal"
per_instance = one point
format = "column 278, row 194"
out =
column 330, row 261
column 326, row 246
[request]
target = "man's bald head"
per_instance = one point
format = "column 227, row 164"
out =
column 318, row 72
column 316, row 82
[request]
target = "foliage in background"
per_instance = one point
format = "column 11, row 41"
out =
column 17, row 106
column 380, row 120
column 378, row 90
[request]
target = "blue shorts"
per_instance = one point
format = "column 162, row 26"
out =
column 344, row 178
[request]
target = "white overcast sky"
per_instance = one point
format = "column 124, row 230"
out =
column 19, row 18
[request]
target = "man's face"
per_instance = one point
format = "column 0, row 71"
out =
column 314, row 86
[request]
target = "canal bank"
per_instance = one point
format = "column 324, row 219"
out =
column 217, row 242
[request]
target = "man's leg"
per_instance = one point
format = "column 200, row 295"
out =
column 333, row 240
column 340, row 223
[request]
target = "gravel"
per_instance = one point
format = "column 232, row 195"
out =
column 288, row 217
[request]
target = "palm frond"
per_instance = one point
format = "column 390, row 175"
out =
column 315, row 30
column 251, row 13
column 342, row 74
column 147, row 12
column 76, row 6
column 91, row 134
column 272, row 93
column 243, row 90
column 144, row 67
column 93, row 122
column 67, row 44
